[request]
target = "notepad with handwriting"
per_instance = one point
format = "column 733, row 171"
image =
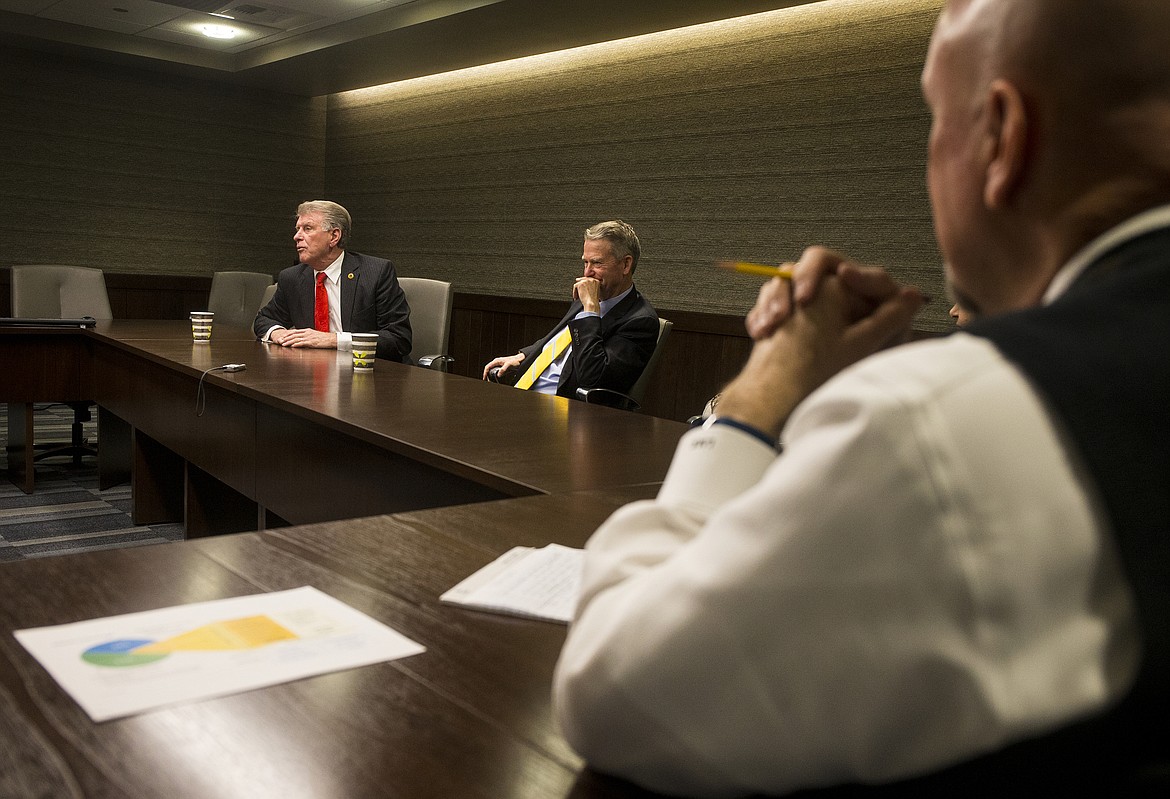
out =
column 539, row 583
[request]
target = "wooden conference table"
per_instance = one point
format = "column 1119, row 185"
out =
column 468, row 718
column 298, row 437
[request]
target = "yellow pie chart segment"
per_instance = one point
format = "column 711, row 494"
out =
column 246, row 633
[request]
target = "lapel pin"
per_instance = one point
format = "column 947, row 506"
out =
column 350, row 276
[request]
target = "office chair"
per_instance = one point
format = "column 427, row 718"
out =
column 708, row 411
column 62, row 292
column 236, row 296
column 266, row 297
column 633, row 400
column 41, row 291
column 430, row 320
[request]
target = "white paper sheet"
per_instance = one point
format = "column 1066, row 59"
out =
column 542, row 583
column 121, row 665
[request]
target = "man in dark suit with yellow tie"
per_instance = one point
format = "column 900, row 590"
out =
column 607, row 337
column 332, row 293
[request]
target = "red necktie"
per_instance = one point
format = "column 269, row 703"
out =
column 321, row 305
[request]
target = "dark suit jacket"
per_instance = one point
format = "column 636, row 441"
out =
column 371, row 301
column 609, row 352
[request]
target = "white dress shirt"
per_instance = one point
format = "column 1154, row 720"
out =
column 922, row 576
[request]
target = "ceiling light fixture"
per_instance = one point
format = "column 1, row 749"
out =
column 219, row 31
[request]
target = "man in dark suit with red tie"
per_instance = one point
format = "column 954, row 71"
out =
column 607, row 337
column 332, row 293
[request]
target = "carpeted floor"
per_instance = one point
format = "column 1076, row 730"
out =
column 66, row 512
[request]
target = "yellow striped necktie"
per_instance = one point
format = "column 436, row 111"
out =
column 550, row 353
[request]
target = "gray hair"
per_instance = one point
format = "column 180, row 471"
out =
column 332, row 214
column 621, row 238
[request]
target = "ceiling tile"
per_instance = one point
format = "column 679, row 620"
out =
column 25, row 6
column 272, row 15
column 123, row 16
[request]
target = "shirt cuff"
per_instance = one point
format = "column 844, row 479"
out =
column 742, row 426
column 713, row 465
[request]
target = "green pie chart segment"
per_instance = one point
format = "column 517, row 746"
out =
column 119, row 654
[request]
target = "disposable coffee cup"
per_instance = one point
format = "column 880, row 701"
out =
column 201, row 325
column 365, row 346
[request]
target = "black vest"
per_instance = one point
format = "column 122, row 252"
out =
column 1100, row 357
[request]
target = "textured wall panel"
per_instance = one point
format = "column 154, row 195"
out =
column 750, row 138
column 140, row 173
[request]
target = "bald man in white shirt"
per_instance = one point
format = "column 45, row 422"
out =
column 953, row 580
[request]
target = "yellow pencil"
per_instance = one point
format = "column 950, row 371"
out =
column 783, row 271
column 763, row 270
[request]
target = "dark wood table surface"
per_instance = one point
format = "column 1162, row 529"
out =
column 298, row 437
column 518, row 442
column 468, row 718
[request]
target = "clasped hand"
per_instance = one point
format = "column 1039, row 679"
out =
column 303, row 337
column 832, row 313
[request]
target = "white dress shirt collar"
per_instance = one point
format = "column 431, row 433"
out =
column 1145, row 222
column 333, row 271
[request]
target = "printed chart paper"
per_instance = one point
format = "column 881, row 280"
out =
column 122, row 665
column 542, row 583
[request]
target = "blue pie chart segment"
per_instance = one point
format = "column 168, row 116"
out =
column 119, row 654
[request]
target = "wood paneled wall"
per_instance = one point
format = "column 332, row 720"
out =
column 750, row 138
column 136, row 172
column 703, row 352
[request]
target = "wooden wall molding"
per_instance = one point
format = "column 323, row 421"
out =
column 703, row 352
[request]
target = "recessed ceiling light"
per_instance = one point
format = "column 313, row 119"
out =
column 218, row 31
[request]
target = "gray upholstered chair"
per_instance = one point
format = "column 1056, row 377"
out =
column 236, row 296
column 44, row 291
column 265, row 298
column 430, row 320
column 633, row 400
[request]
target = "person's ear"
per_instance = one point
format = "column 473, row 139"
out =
column 1007, row 143
column 627, row 264
column 335, row 237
